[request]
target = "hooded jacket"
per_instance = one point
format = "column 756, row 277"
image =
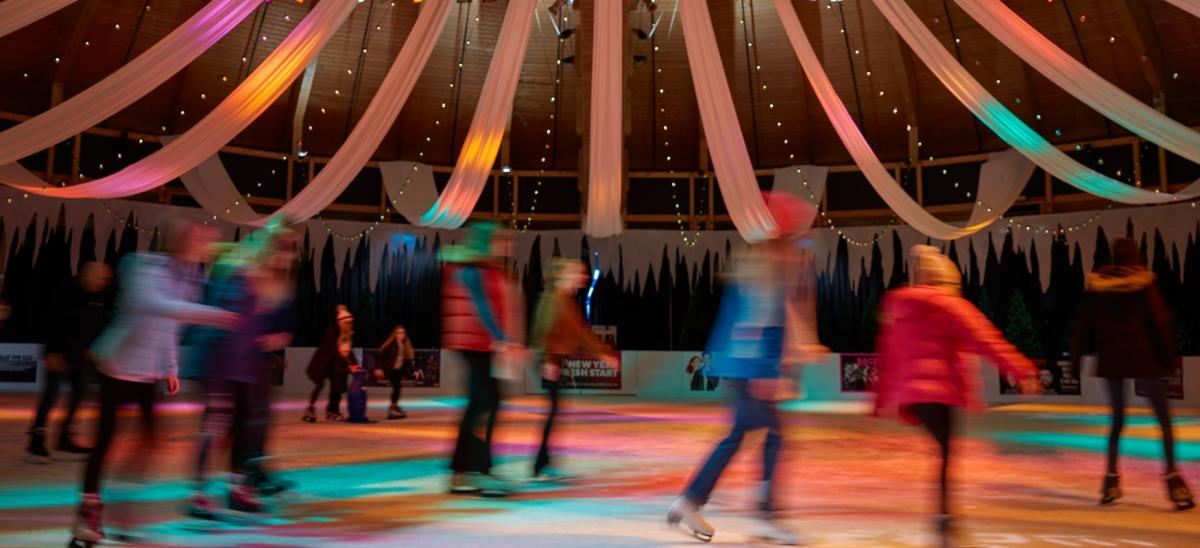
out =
column 928, row 340
column 1124, row 321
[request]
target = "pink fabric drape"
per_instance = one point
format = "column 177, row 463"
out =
column 487, row 127
column 735, row 173
column 879, row 177
column 1078, row 80
column 17, row 14
column 245, row 103
column 129, row 83
column 604, row 159
column 376, row 120
column 1190, row 6
column 1007, row 125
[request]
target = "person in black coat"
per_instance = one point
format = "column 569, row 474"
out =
column 332, row 362
column 74, row 318
column 1123, row 320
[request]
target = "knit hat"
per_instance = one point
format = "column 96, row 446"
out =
column 793, row 216
column 476, row 244
column 930, row 267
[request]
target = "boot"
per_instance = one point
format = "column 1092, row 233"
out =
column 87, row 529
column 461, row 485
column 770, row 530
column 1178, row 492
column 334, row 417
column 242, row 498
column 394, row 412
column 35, row 452
column 1111, row 490
column 310, row 414
column 687, row 513
column 201, row 506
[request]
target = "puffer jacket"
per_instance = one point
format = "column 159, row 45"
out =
column 475, row 305
column 1124, row 321
column 928, row 340
column 156, row 299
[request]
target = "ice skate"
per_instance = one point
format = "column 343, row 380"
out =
column 771, row 530
column 687, row 513
column 395, row 412
column 35, row 452
column 1111, row 490
column 65, row 445
column 87, row 530
column 334, row 417
column 460, row 484
column 310, row 415
column 201, row 506
column 550, row 474
column 1178, row 492
column 242, row 498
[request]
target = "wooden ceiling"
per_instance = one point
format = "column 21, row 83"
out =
column 781, row 121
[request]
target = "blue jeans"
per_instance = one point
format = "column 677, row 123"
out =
column 749, row 414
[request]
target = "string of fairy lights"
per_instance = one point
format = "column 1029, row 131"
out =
column 1002, row 90
column 561, row 36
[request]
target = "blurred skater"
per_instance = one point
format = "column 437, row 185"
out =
column 766, row 326
column 139, row 348
column 1124, row 321
column 559, row 330
column 396, row 359
column 332, row 362
column 929, row 338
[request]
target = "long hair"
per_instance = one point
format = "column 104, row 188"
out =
column 407, row 351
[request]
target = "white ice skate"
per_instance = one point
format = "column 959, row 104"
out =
column 686, row 513
column 770, row 530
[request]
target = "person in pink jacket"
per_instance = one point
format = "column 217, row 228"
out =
column 928, row 339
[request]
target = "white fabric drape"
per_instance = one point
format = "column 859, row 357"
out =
column 487, row 127
column 1004, row 123
column 731, row 161
column 245, row 103
column 17, row 14
column 604, row 149
column 879, row 177
column 210, row 185
column 1078, row 80
column 1190, row 6
column 806, row 182
column 127, row 84
column 410, row 188
column 1001, row 179
column 376, row 120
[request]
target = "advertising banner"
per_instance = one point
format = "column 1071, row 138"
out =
column 426, row 370
column 589, row 373
column 1173, row 382
column 859, row 371
column 1058, row 379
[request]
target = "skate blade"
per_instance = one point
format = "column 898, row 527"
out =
column 676, row 522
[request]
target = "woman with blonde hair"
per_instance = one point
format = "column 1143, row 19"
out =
column 396, row 358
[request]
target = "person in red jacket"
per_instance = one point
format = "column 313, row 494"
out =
column 1124, row 321
column 928, row 338
column 480, row 317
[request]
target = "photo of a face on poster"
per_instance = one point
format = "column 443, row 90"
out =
column 699, row 371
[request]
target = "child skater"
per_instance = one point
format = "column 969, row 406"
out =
column 765, row 326
column 928, row 338
column 396, row 357
column 559, row 330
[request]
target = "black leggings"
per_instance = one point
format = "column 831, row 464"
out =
column 76, row 375
column 1156, row 393
column 396, row 378
column 543, row 456
column 473, row 451
column 114, row 393
column 336, row 389
column 938, row 419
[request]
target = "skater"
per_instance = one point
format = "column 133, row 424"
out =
column 332, row 362
column 1124, row 321
column 559, row 330
column 765, row 327
column 253, row 279
column 928, row 338
column 396, row 358
column 139, row 348
column 480, row 318
column 74, row 320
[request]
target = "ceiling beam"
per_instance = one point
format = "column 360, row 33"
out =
column 1135, row 17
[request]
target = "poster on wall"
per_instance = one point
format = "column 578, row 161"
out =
column 19, row 364
column 698, row 370
column 1058, row 378
column 859, row 371
column 607, row 334
column 1172, row 381
column 585, row 373
column 426, row 371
